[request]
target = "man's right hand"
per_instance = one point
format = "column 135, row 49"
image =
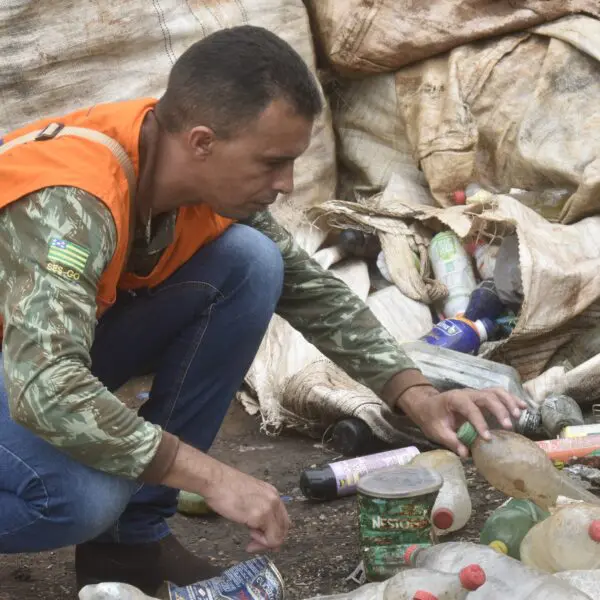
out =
column 234, row 495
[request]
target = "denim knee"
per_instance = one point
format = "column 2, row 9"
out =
column 45, row 506
column 257, row 259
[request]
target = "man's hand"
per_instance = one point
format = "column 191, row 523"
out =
column 440, row 414
column 234, row 495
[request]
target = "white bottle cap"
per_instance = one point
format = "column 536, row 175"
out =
column 481, row 330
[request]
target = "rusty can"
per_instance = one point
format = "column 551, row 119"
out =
column 395, row 513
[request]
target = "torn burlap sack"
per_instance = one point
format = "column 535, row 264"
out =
column 61, row 55
column 559, row 265
column 518, row 111
column 374, row 36
column 293, row 385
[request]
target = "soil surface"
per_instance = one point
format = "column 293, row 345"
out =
column 321, row 551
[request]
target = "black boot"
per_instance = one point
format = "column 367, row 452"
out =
column 145, row 566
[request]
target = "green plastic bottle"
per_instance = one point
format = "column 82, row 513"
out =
column 508, row 525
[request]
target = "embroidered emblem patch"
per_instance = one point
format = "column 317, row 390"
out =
column 62, row 253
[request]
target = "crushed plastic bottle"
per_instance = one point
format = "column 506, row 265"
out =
column 506, row 578
column 519, row 468
column 506, row 527
column 452, row 508
column 452, row 266
column 559, row 411
column 451, row 370
column 112, row 591
column 568, row 540
column 588, row 581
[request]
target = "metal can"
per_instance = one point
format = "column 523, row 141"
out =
column 394, row 514
column 256, row 579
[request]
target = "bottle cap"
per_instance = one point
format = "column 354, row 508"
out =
column 460, row 197
column 443, row 518
column 499, row 546
column 409, row 554
column 467, row 434
column 472, row 577
column 423, row 595
column 594, row 530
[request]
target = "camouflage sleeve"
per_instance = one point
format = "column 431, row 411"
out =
column 331, row 316
column 54, row 245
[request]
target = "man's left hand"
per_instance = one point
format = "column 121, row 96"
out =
column 440, row 414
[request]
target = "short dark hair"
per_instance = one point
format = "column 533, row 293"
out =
column 228, row 78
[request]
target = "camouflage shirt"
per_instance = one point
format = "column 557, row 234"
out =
column 55, row 245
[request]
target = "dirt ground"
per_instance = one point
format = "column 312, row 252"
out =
column 321, row 551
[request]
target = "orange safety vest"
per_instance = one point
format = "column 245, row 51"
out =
column 69, row 160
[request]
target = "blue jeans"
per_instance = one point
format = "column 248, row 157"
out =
column 198, row 332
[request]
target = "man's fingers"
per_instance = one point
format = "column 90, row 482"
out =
column 471, row 412
column 259, row 542
column 490, row 401
column 447, row 437
column 515, row 405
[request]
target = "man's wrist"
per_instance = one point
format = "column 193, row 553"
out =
column 399, row 383
column 412, row 397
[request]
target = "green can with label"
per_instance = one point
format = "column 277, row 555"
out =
column 395, row 513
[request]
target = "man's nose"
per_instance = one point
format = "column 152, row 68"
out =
column 284, row 182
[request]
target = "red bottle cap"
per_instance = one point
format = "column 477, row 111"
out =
column 408, row 554
column 443, row 518
column 472, row 577
column 594, row 530
column 423, row 595
column 460, row 197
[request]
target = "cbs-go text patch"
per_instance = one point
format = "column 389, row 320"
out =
column 67, row 259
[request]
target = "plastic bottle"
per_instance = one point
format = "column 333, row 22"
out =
column 358, row 243
column 484, row 302
column 565, row 449
column 352, row 437
column 559, row 411
column 506, row 578
column 425, row 584
column 112, row 591
column 452, row 266
column 450, row 370
column 586, row 581
column 460, row 334
column 567, row 540
column 519, row 468
column 579, row 431
column 507, row 274
column 452, row 508
column 338, row 479
column 506, row 527
column 484, row 255
column 192, row 504
column 475, row 193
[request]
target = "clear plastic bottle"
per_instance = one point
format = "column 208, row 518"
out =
column 519, row 468
column 506, row 527
column 588, row 581
column 506, row 578
column 112, row 591
column 425, row 583
column 452, row 266
column 452, row 508
column 568, row 540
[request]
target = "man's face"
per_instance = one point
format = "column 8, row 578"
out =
column 243, row 174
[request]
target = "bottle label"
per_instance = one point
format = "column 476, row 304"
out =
column 348, row 472
column 253, row 579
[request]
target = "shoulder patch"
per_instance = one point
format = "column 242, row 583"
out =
column 62, row 253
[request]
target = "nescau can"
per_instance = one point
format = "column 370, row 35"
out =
column 256, row 579
column 395, row 513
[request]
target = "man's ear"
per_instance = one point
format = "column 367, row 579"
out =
column 201, row 140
